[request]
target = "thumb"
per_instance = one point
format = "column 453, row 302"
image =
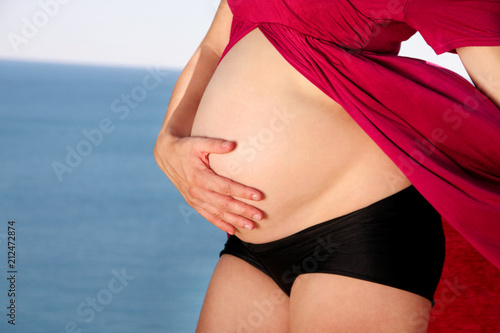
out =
column 214, row 146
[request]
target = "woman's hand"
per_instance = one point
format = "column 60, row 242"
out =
column 185, row 162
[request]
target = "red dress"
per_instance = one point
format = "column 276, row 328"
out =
column 441, row 131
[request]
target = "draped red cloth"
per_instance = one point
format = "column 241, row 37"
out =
column 441, row 131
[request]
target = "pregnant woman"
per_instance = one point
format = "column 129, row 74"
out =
column 331, row 161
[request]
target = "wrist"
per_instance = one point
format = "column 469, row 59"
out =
column 164, row 142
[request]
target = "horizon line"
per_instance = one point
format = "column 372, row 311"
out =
column 89, row 64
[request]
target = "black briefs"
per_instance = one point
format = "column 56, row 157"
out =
column 397, row 241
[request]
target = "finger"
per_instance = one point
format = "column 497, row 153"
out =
column 228, row 187
column 212, row 146
column 232, row 219
column 235, row 207
column 224, row 226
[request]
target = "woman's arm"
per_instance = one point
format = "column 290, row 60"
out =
column 197, row 73
column 184, row 159
column 483, row 65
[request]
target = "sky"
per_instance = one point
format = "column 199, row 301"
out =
column 114, row 32
column 138, row 33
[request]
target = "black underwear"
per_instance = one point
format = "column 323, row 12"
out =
column 397, row 241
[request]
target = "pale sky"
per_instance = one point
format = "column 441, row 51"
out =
column 137, row 33
column 115, row 32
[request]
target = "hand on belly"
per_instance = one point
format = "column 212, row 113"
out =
column 259, row 145
column 293, row 153
column 294, row 144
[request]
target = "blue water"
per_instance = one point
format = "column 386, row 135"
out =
column 104, row 243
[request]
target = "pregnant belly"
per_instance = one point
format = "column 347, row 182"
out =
column 295, row 144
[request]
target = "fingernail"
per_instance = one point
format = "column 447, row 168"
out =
column 255, row 197
column 225, row 144
column 248, row 227
column 257, row 217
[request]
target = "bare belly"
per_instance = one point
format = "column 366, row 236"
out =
column 294, row 143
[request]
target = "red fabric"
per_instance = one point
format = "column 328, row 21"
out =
column 441, row 131
column 448, row 24
column 468, row 295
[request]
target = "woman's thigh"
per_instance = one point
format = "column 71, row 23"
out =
column 332, row 303
column 242, row 299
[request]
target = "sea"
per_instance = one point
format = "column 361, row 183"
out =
column 93, row 236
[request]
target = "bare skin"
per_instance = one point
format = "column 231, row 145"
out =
column 251, row 143
column 274, row 114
